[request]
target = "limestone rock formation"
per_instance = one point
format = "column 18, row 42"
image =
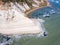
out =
column 13, row 21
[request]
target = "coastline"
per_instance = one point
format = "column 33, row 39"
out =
column 31, row 10
column 24, row 21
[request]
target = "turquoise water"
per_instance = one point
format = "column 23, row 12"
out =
column 55, row 3
column 41, row 11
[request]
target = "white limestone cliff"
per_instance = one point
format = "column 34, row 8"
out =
column 13, row 21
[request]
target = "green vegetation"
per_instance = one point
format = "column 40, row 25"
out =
column 29, row 2
column 52, row 25
column 15, row 0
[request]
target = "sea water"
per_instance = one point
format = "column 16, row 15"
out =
column 55, row 5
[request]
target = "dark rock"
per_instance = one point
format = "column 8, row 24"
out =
column 6, row 44
column 45, row 34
